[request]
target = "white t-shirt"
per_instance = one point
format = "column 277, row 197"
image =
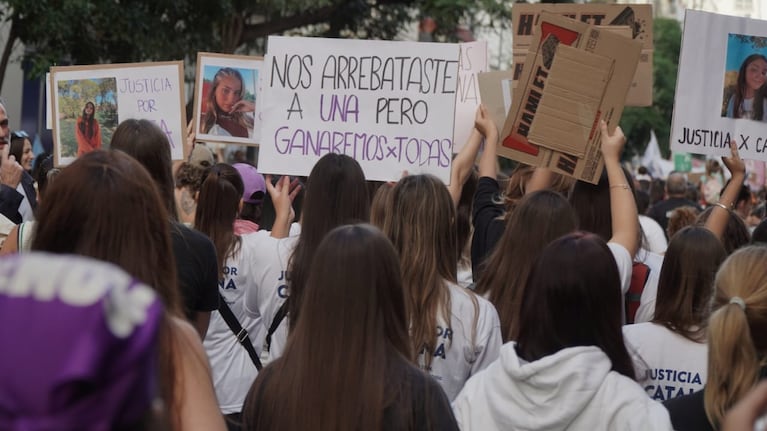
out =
column 624, row 263
column 269, row 265
column 654, row 238
column 646, row 310
column 456, row 357
column 233, row 370
column 667, row 365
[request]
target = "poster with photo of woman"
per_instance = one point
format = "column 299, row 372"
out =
column 226, row 98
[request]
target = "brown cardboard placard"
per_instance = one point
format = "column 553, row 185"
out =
column 637, row 18
column 495, row 89
column 575, row 75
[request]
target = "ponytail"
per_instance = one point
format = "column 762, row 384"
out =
column 217, row 209
column 733, row 362
column 736, row 347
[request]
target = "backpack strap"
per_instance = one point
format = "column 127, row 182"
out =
column 238, row 331
column 639, row 275
column 278, row 318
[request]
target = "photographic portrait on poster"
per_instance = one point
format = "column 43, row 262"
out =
column 720, row 89
column 744, row 77
column 226, row 98
column 89, row 101
column 87, row 113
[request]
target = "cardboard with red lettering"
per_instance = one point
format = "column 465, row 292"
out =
column 575, row 75
column 636, row 17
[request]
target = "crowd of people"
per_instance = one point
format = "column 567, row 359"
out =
column 141, row 293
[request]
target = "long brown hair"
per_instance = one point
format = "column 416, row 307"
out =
column 336, row 194
column 217, row 209
column 212, row 110
column 538, row 219
column 740, row 90
column 573, row 298
column 737, row 347
column 686, row 282
column 421, row 225
column 338, row 371
column 107, row 207
column 147, row 143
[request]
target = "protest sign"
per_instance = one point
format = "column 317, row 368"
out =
column 227, row 98
column 389, row 105
column 575, row 75
column 495, row 89
column 635, row 17
column 720, row 88
column 473, row 60
column 90, row 101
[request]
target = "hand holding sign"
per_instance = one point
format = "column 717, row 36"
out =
column 612, row 144
column 734, row 163
column 10, row 170
column 283, row 193
column 484, row 123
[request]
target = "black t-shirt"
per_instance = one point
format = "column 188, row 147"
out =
column 420, row 403
column 197, row 269
column 688, row 413
column 488, row 226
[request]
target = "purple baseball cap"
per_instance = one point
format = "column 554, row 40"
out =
column 253, row 182
column 79, row 341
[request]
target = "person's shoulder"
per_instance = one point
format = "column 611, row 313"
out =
column 642, row 330
column 194, row 238
column 628, row 406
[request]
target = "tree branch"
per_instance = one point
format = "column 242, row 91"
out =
column 254, row 31
column 7, row 50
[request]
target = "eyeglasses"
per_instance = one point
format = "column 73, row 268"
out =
column 18, row 134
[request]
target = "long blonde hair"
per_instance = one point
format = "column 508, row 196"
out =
column 736, row 346
column 421, row 225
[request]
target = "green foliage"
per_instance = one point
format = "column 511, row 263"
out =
column 638, row 122
column 119, row 31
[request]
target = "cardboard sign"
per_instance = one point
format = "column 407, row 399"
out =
column 473, row 60
column 115, row 92
column 389, row 105
column 710, row 107
column 575, row 75
column 496, row 89
column 637, row 18
column 227, row 98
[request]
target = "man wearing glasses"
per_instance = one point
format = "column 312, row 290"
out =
column 10, row 174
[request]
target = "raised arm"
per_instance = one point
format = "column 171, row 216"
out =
column 486, row 127
column 283, row 193
column 541, row 180
column 463, row 163
column 623, row 210
column 720, row 214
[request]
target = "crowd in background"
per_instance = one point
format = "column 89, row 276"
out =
column 142, row 293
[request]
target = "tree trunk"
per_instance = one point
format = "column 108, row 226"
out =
column 7, row 50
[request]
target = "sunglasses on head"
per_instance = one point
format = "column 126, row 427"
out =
column 19, row 134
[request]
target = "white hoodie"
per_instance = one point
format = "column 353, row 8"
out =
column 572, row 389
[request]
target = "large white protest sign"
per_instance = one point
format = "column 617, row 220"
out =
column 472, row 62
column 90, row 101
column 389, row 105
column 720, row 90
